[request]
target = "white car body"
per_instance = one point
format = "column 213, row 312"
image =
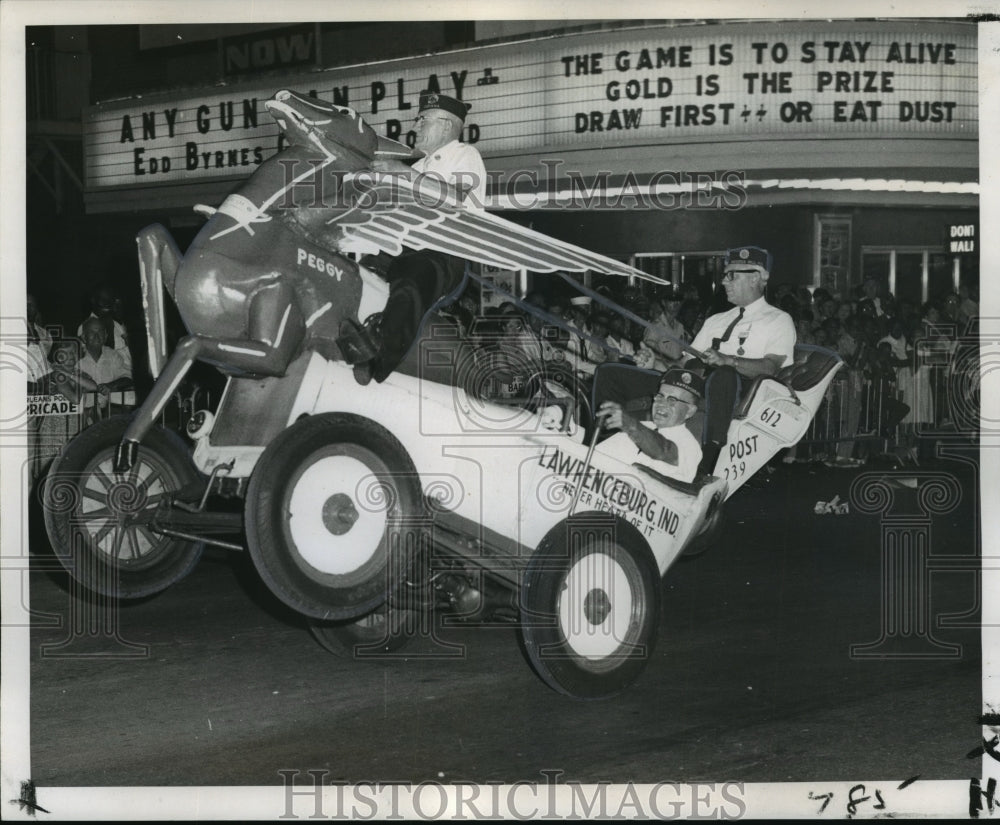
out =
column 490, row 468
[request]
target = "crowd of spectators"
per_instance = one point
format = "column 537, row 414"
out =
column 73, row 381
column 84, row 369
column 897, row 354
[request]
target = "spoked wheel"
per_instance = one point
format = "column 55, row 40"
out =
column 385, row 630
column 333, row 516
column 100, row 523
column 589, row 611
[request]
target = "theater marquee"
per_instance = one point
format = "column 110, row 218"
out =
column 644, row 86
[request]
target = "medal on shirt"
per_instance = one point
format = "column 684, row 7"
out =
column 741, row 338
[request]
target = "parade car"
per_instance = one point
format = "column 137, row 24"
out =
column 361, row 505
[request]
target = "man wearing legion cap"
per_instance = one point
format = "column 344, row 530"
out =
column 418, row 279
column 437, row 130
column 751, row 339
column 438, row 126
column 664, row 442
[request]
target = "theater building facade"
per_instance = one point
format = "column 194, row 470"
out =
column 847, row 148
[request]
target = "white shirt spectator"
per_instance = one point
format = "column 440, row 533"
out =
column 107, row 368
column 623, row 345
column 661, row 338
column 120, row 344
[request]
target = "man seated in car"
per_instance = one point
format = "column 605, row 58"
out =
column 664, row 444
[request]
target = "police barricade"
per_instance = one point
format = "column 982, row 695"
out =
column 863, row 415
column 53, row 419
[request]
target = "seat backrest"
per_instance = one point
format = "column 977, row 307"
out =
column 809, row 367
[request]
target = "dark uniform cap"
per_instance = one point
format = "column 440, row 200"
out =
column 747, row 256
column 685, row 379
column 433, row 100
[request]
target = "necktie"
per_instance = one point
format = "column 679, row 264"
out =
column 717, row 342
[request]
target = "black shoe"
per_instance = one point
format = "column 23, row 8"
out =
column 125, row 455
column 373, row 325
column 357, row 343
column 363, row 373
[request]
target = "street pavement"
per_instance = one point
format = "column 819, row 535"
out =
column 781, row 657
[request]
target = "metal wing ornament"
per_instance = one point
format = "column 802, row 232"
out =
column 391, row 212
column 268, row 277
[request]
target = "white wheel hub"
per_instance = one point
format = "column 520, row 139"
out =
column 337, row 514
column 597, row 606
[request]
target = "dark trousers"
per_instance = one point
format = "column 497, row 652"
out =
column 417, row 281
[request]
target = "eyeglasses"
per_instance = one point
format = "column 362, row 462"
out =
column 660, row 398
column 427, row 119
column 731, row 275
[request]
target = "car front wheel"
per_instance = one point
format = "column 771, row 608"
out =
column 590, row 605
column 102, row 524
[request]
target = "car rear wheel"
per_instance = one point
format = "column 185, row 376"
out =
column 383, row 631
column 590, row 605
column 333, row 516
column 101, row 523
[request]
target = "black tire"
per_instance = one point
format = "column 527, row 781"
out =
column 333, row 516
column 590, row 605
column 97, row 520
column 379, row 633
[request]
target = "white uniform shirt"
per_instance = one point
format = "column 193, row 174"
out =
column 461, row 166
column 763, row 330
column 623, row 448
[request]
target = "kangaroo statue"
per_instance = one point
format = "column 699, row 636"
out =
column 255, row 287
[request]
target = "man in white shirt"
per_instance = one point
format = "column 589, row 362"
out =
column 617, row 338
column 873, row 289
column 664, row 336
column 105, row 303
column 752, row 339
column 102, row 365
column 438, row 127
column 417, row 280
column 664, row 443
